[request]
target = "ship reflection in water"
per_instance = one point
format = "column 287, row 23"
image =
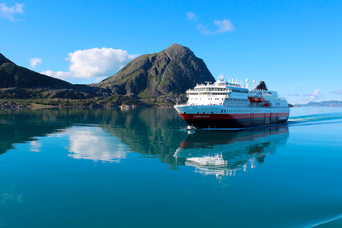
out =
column 223, row 153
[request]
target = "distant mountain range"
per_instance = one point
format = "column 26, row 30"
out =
column 152, row 79
column 321, row 104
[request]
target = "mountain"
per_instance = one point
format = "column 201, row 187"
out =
column 3, row 60
column 151, row 79
column 12, row 75
column 18, row 82
column 323, row 104
column 169, row 72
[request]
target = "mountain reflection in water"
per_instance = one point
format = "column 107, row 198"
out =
column 106, row 135
column 103, row 135
column 223, row 153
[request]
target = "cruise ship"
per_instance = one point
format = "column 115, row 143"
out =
column 226, row 105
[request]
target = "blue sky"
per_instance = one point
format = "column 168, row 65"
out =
column 294, row 46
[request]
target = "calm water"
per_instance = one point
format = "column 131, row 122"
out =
column 138, row 168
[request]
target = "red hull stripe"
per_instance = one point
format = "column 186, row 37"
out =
column 233, row 116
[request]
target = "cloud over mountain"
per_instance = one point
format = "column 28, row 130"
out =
column 94, row 63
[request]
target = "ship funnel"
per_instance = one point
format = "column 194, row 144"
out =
column 261, row 86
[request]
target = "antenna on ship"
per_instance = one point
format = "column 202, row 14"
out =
column 254, row 83
column 247, row 83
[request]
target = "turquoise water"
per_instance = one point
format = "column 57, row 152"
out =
column 138, row 168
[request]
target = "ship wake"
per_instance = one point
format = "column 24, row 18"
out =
column 316, row 118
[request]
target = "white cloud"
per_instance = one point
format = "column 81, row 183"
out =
column 98, row 62
column 339, row 92
column 191, row 16
column 315, row 95
column 293, row 94
column 35, row 61
column 223, row 26
column 8, row 12
column 59, row 74
column 204, row 30
column 94, row 63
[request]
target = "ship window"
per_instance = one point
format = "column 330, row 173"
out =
column 221, row 110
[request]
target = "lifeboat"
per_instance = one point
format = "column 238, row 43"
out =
column 261, row 99
column 253, row 99
column 266, row 104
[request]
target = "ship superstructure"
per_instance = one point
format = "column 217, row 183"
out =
column 229, row 105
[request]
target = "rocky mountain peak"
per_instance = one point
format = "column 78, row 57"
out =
column 169, row 72
column 177, row 50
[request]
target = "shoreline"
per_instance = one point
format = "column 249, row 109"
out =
column 19, row 106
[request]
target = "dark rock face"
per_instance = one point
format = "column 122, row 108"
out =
column 3, row 60
column 173, row 70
